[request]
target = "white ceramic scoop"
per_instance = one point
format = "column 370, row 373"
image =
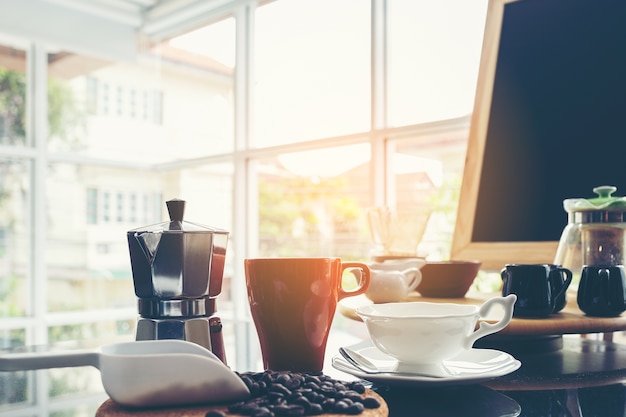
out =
column 146, row 373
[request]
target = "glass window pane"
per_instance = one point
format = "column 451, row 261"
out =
column 313, row 203
column 87, row 257
column 16, row 387
column 312, row 70
column 73, row 383
column 12, row 94
column 434, row 51
column 427, row 174
column 107, row 330
column 92, row 207
column 171, row 104
column 65, row 381
column 15, row 254
column 10, row 338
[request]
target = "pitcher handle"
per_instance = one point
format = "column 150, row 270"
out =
column 417, row 277
column 488, row 328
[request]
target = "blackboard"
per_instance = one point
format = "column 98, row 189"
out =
column 555, row 120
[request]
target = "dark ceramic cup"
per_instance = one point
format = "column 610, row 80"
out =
column 602, row 290
column 540, row 288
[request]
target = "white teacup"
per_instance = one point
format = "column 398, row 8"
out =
column 421, row 335
column 393, row 280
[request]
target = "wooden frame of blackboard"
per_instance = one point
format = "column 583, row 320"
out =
column 593, row 159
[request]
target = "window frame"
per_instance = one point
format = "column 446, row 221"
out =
column 245, row 206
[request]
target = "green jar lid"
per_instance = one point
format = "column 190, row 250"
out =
column 605, row 208
column 604, row 201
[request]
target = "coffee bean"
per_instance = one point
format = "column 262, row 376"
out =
column 353, row 395
column 357, row 386
column 304, row 402
column 293, row 394
column 281, row 389
column 314, row 397
column 328, row 405
column 354, row 409
column 262, row 412
column 315, row 410
column 312, row 385
column 294, row 383
column 341, row 407
column 370, row 402
column 249, row 408
column 289, row 411
column 274, row 396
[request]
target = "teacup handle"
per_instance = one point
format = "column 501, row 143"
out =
column 488, row 328
column 416, row 275
column 364, row 279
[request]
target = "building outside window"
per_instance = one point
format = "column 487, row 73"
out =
column 282, row 122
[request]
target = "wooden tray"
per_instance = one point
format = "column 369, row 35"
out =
column 571, row 320
column 112, row 409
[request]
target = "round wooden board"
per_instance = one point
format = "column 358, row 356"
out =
column 112, row 409
column 571, row 320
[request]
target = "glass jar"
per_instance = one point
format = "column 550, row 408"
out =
column 596, row 231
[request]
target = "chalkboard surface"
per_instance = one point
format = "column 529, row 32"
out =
column 557, row 120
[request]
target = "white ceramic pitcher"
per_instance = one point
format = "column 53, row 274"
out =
column 393, row 280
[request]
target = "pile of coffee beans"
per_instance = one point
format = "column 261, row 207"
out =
column 294, row 394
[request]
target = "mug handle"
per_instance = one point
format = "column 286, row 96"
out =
column 488, row 328
column 364, row 279
column 566, row 282
column 504, row 276
column 417, row 277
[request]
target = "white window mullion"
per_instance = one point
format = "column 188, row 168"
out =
column 243, row 205
column 379, row 100
column 379, row 64
column 38, row 135
column 37, row 128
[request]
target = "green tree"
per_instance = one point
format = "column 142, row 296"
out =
column 12, row 107
column 66, row 121
column 299, row 217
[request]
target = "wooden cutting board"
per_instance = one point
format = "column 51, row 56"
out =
column 112, row 409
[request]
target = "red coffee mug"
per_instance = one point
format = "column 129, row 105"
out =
column 293, row 302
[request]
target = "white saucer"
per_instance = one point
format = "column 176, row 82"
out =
column 469, row 367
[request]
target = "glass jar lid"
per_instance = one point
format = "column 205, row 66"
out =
column 605, row 208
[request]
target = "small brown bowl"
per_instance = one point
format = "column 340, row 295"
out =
column 447, row 279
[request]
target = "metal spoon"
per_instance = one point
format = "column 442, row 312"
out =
column 146, row 373
column 364, row 365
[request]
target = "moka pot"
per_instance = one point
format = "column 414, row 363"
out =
column 177, row 269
